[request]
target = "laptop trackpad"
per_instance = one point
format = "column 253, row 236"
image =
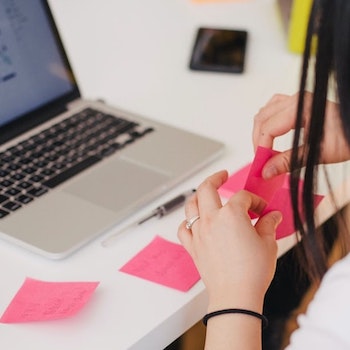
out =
column 117, row 183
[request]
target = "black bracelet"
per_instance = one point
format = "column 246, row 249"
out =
column 263, row 318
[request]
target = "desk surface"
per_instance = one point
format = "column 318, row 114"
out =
column 135, row 55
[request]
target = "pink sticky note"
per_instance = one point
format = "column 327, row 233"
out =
column 235, row 182
column 249, row 178
column 275, row 191
column 164, row 262
column 281, row 201
column 44, row 301
column 255, row 183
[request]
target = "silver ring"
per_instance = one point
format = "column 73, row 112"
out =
column 191, row 221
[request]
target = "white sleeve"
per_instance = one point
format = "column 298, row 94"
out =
column 326, row 324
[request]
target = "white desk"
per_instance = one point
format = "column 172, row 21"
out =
column 135, row 55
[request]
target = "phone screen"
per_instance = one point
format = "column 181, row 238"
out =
column 219, row 50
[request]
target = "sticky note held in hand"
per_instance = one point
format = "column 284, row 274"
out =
column 275, row 191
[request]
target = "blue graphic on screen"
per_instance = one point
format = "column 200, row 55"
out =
column 32, row 72
column 6, row 63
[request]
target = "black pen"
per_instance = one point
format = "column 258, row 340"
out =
column 159, row 212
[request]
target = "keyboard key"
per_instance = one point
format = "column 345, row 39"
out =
column 18, row 177
column 6, row 183
column 25, row 184
column 37, row 191
column 12, row 206
column 30, row 170
column 47, row 172
column 14, row 167
column 3, row 198
column 3, row 213
column 3, row 173
column 24, row 199
column 13, row 191
column 36, row 178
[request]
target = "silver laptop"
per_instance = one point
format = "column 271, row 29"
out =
column 70, row 169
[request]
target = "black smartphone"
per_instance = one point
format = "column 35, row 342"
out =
column 219, row 50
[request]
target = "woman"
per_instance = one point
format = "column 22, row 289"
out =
column 236, row 259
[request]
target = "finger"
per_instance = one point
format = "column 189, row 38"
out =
column 279, row 164
column 207, row 194
column 275, row 103
column 277, row 106
column 191, row 206
column 191, row 212
column 276, row 165
column 267, row 224
column 246, row 202
column 185, row 236
column 276, row 125
column 270, row 123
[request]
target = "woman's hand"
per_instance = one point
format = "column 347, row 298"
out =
column 236, row 260
column 278, row 116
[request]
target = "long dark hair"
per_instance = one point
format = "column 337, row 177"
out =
column 328, row 35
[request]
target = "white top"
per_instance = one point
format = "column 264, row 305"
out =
column 326, row 323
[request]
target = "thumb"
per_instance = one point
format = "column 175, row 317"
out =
column 267, row 224
column 276, row 165
column 279, row 163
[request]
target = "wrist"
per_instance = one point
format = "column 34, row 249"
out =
column 246, row 312
column 250, row 301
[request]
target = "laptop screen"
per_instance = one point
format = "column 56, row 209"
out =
column 34, row 71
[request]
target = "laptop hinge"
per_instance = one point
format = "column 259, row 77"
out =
column 24, row 124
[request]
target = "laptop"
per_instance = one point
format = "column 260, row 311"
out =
column 71, row 169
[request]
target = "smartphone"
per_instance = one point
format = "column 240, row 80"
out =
column 219, row 50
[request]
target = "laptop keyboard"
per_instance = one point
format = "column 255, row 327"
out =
column 34, row 166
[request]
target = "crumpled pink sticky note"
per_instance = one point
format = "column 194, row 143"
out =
column 43, row 301
column 274, row 191
column 164, row 262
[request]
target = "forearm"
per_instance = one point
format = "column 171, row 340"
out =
column 235, row 258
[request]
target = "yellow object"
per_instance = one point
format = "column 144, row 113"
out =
column 295, row 15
